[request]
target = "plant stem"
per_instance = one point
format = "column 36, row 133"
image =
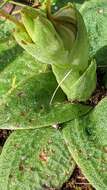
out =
column 48, row 8
column 18, row 4
column 11, row 18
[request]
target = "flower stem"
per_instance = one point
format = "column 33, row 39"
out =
column 11, row 18
column 48, row 8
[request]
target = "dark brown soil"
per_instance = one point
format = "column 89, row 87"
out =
column 3, row 136
column 77, row 182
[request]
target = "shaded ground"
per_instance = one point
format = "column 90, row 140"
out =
column 77, row 182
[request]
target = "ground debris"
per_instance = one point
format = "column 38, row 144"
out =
column 77, row 182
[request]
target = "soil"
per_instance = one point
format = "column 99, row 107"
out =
column 77, row 181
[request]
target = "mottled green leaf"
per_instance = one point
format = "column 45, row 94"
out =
column 29, row 105
column 5, row 30
column 35, row 160
column 87, row 140
column 15, row 64
column 95, row 16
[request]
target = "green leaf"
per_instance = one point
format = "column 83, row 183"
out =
column 15, row 64
column 94, row 13
column 87, row 140
column 35, row 159
column 28, row 106
column 95, row 16
column 5, row 30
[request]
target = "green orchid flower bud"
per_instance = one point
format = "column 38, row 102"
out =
column 46, row 42
column 60, row 39
column 62, row 36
